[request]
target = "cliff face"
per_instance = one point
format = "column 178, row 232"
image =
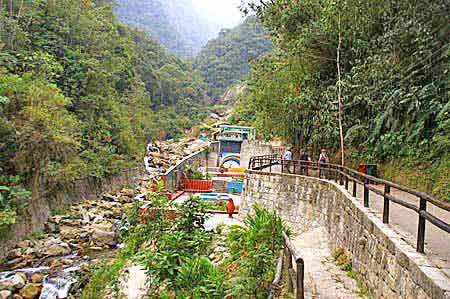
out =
column 173, row 23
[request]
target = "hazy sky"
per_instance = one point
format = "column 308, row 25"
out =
column 222, row 12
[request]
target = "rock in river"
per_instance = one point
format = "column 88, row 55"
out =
column 31, row 290
column 12, row 282
column 56, row 247
column 5, row 294
column 102, row 235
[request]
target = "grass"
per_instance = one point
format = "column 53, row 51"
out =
column 344, row 262
column 431, row 178
column 59, row 211
column 105, row 275
column 39, row 234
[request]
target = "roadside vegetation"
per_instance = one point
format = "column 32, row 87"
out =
column 80, row 95
column 394, row 62
column 344, row 262
column 180, row 256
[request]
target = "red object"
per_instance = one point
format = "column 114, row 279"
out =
column 230, row 207
column 196, row 185
column 234, row 175
column 362, row 168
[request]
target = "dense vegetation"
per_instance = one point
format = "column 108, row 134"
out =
column 78, row 95
column 226, row 59
column 173, row 23
column 394, row 59
column 171, row 243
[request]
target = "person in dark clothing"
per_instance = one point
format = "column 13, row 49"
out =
column 304, row 161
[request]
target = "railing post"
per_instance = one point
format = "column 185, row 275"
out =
column 421, row 229
column 300, row 294
column 366, row 192
column 341, row 177
column 355, row 185
column 288, row 255
column 346, row 183
column 333, row 176
column 387, row 190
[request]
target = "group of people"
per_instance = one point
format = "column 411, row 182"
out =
column 305, row 160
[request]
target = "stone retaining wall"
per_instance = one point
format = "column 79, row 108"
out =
column 388, row 266
column 255, row 148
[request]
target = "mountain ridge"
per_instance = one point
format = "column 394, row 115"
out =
column 174, row 24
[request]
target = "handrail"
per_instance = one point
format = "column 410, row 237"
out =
column 344, row 175
column 171, row 177
column 296, row 278
column 277, row 278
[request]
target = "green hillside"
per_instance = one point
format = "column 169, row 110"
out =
column 394, row 63
column 173, row 23
column 225, row 60
column 80, row 94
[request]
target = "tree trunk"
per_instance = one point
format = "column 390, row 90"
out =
column 341, row 109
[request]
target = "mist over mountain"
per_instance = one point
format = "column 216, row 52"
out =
column 179, row 25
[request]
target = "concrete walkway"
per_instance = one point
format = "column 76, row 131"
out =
column 405, row 223
column 323, row 278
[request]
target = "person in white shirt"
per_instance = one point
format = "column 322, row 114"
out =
column 287, row 156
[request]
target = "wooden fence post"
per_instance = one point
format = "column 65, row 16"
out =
column 366, row 192
column 421, row 228
column 300, row 292
column 387, row 190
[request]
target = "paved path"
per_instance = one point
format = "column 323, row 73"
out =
column 405, row 223
column 323, row 279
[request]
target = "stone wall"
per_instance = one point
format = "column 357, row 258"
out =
column 388, row 266
column 256, row 148
column 39, row 209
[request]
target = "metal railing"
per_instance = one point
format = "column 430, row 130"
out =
column 174, row 174
column 344, row 175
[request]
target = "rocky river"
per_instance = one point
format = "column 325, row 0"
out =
column 54, row 263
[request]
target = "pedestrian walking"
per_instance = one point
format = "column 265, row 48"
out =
column 287, row 156
column 305, row 160
column 323, row 159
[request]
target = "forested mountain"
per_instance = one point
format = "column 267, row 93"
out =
column 77, row 90
column 225, row 60
column 394, row 60
column 173, row 23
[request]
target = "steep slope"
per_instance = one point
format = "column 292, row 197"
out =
column 225, row 60
column 77, row 90
column 173, row 23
